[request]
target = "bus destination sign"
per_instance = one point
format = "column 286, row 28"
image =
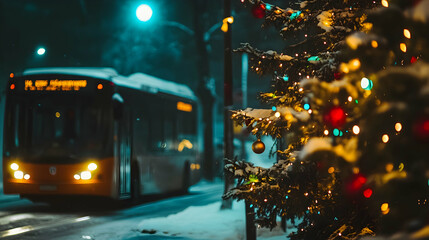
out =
column 54, row 85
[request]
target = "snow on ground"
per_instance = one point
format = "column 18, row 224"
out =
column 208, row 222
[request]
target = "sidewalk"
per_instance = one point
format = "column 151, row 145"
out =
column 7, row 198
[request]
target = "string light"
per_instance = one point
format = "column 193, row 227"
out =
column 356, row 129
column 385, row 3
column 366, row 84
column 277, row 114
column 401, row 167
column 306, row 106
column 367, row 193
column 398, row 127
column 385, row 138
column 403, row 47
column 407, row 33
column 374, row 44
column 354, row 64
column 385, row 208
column 331, row 170
column 389, row 167
column 326, row 132
column 350, row 98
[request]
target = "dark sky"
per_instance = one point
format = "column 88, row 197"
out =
column 95, row 33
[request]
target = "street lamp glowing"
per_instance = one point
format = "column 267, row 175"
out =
column 144, row 12
column 41, row 51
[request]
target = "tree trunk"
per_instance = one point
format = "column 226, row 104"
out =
column 228, row 130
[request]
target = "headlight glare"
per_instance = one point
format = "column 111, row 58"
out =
column 92, row 166
column 18, row 175
column 14, row 166
column 76, row 176
column 27, row 176
column 85, row 175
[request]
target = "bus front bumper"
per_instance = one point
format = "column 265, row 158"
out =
column 88, row 189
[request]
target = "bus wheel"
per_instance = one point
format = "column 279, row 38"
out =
column 186, row 177
column 135, row 183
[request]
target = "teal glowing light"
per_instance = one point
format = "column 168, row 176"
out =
column 341, row 133
column 313, row 58
column 287, row 197
column 336, row 132
column 144, row 12
column 41, row 51
column 286, row 78
column 295, row 15
column 306, row 106
column 268, row 7
column 366, row 84
column 274, row 108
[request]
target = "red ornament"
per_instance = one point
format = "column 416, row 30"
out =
column 337, row 75
column 354, row 184
column 367, row 193
column 413, row 59
column 421, row 128
column 335, row 117
column 258, row 11
column 357, row 182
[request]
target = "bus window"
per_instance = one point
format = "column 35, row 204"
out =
column 155, row 110
column 46, row 128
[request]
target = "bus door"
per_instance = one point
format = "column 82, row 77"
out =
column 122, row 148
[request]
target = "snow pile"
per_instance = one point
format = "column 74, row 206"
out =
column 325, row 20
column 207, row 222
column 348, row 150
column 420, row 12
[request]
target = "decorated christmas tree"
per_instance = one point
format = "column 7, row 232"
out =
column 349, row 110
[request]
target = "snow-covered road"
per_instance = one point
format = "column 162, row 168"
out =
column 192, row 216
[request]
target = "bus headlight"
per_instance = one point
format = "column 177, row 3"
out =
column 14, row 166
column 26, row 176
column 85, row 175
column 76, row 176
column 92, row 166
column 18, row 175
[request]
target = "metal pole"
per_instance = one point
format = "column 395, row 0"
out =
column 244, row 71
column 250, row 224
column 227, row 90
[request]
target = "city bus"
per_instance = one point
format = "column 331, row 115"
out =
column 92, row 132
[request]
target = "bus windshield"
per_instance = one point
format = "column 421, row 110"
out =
column 58, row 128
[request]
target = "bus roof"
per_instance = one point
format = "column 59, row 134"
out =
column 152, row 84
column 138, row 81
column 102, row 73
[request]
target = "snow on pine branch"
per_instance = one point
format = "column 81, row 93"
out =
column 268, row 122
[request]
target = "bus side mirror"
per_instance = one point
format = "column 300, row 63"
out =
column 118, row 109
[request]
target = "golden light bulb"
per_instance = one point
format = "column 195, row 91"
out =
column 385, row 138
column 407, row 33
column 356, row 129
column 403, row 47
column 398, row 127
